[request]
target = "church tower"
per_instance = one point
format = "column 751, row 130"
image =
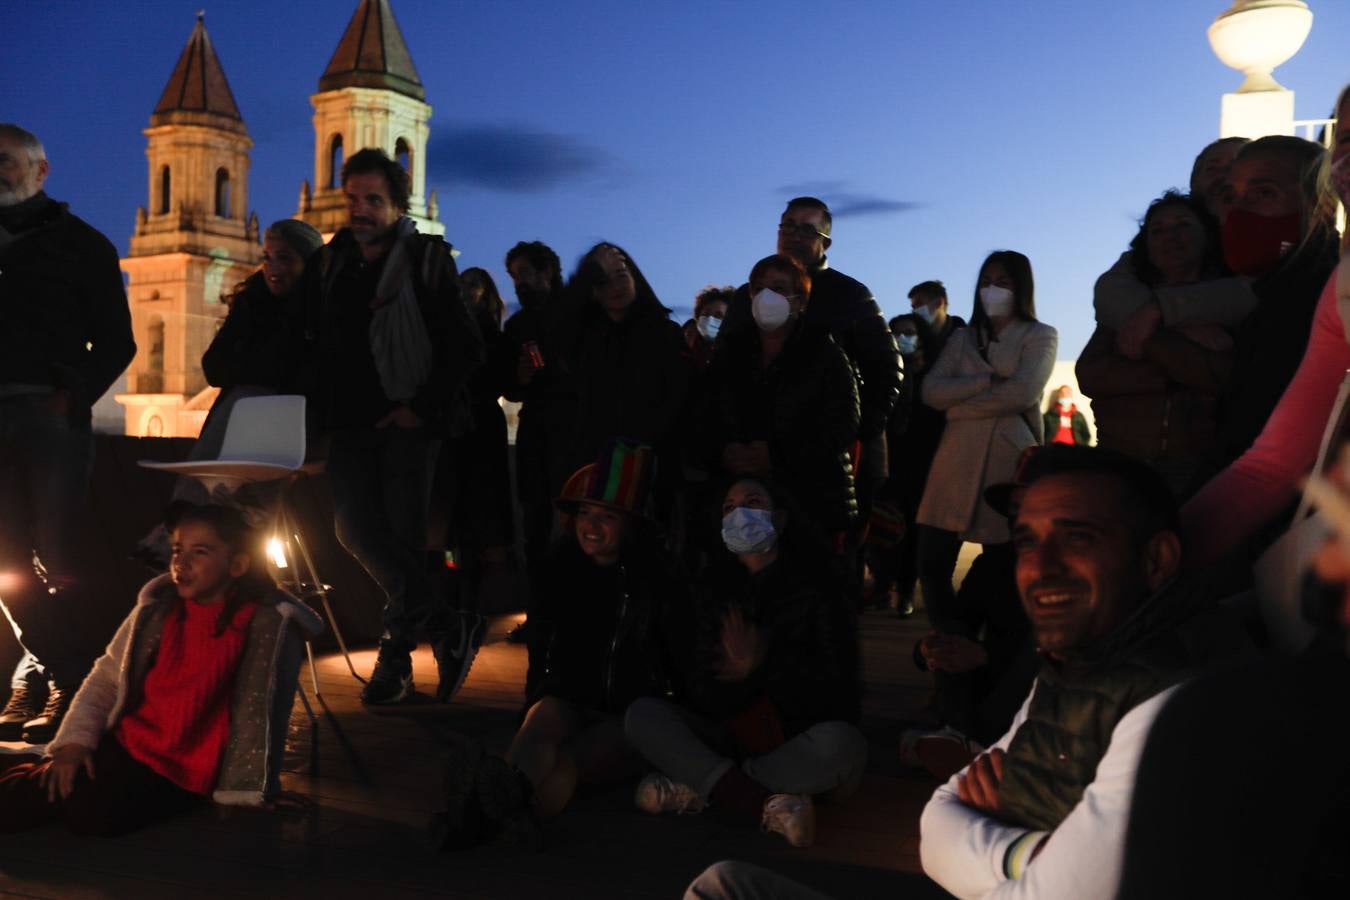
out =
column 369, row 96
column 193, row 243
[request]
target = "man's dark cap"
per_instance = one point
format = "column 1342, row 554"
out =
column 1142, row 482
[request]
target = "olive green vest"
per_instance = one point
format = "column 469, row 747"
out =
column 1076, row 705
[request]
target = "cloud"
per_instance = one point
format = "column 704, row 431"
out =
column 514, row 158
column 844, row 203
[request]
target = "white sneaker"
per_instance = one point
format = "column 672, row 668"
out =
column 791, row 815
column 657, row 794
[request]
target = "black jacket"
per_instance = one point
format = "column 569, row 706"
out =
column 1269, row 345
column 632, row 379
column 845, row 307
column 804, row 405
column 260, row 343
column 339, row 288
column 602, row 636
column 810, row 668
column 64, row 319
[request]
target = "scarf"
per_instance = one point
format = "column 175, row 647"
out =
column 398, row 333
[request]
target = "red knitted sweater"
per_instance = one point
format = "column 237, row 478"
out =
column 182, row 724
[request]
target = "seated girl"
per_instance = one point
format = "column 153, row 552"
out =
column 606, row 633
column 190, row 701
column 774, row 692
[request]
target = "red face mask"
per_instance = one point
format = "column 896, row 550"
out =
column 1254, row 244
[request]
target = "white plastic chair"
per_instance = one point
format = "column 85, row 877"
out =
column 265, row 441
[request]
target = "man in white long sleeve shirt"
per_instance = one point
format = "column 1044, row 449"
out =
column 1043, row 813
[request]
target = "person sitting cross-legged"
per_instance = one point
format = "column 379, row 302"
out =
column 190, row 702
column 774, row 690
column 607, row 631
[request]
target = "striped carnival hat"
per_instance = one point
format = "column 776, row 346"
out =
column 620, row 479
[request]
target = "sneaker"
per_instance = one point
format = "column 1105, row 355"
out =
column 657, row 794
column 791, row 815
column 25, row 704
column 453, row 662
column 43, row 728
column 520, row 634
column 391, row 682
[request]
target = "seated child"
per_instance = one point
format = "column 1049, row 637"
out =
column 603, row 635
column 190, row 701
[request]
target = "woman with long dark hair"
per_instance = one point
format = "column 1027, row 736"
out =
column 989, row 381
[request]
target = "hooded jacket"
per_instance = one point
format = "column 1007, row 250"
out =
column 264, row 687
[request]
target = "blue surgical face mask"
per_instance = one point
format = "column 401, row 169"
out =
column 708, row 326
column 925, row 312
column 746, row 530
column 908, row 343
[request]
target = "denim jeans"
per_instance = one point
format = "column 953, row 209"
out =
column 44, row 512
column 381, row 485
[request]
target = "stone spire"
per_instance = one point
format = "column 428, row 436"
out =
column 197, row 91
column 372, row 54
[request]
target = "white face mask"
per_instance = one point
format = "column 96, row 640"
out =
column 997, row 301
column 708, row 326
column 1065, row 403
column 770, row 309
column 908, row 343
column 925, row 312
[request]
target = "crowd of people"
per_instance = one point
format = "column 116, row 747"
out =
column 706, row 509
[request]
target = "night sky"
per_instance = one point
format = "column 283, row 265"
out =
column 937, row 131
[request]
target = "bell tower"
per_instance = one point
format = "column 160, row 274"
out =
column 369, row 96
column 192, row 243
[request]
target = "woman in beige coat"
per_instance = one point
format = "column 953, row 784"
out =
column 989, row 380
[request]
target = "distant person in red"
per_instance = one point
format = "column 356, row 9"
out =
column 190, row 701
column 1064, row 423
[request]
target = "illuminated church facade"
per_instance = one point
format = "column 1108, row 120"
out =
column 195, row 239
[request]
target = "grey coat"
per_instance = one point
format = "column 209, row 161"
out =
column 263, row 692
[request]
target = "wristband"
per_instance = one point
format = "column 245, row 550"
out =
column 1019, row 853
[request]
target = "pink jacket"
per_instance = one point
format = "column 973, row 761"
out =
column 1243, row 497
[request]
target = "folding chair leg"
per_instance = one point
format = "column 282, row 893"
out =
column 309, row 710
column 323, row 597
column 313, row 672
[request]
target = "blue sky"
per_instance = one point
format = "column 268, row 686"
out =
column 938, row 131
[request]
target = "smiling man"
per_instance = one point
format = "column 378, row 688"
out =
column 396, row 345
column 1043, row 813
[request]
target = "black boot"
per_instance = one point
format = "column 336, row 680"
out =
column 25, row 703
column 43, row 728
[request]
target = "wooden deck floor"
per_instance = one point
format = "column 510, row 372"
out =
column 371, row 780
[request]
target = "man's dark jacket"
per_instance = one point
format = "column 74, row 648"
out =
column 343, row 380
column 64, row 320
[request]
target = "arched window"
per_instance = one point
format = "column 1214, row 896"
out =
column 222, row 193
column 335, row 161
column 152, row 377
column 403, row 153
column 164, row 190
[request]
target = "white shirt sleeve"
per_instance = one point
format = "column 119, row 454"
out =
column 963, row 850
